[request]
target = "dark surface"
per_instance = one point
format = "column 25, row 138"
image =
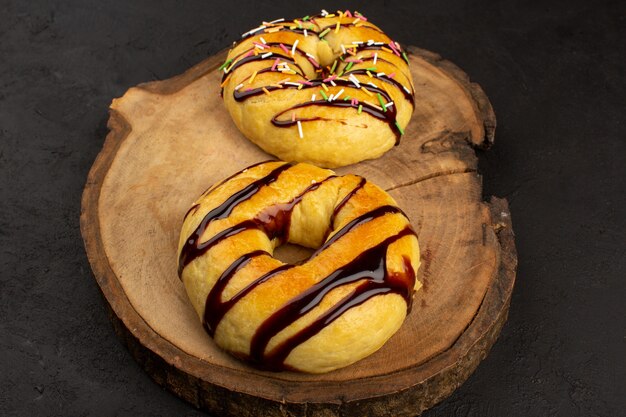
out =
column 555, row 74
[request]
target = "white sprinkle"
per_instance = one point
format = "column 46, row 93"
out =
column 313, row 182
column 305, row 33
column 389, row 104
column 313, row 97
column 324, row 12
column 282, row 19
column 343, row 49
column 309, row 55
column 253, row 30
column 357, row 42
column 300, row 129
column 370, row 42
column 333, row 83
column 406, row 89
column 354, row 80
column 380, row 74
column 290, row 83
column 375, row 57
column 331, row 97
column 239, row 86
column 338, row 94
column 373, row 85
column 379, row 43
column 262, row 40
column 266, row 55
column 245, row 170
column 293, row 48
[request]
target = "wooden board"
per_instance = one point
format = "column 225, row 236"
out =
column 171, row 139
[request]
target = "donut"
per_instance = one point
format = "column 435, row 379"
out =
column 335, row 308
column 331, row 89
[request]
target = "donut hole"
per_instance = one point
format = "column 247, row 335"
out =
column 292, row 254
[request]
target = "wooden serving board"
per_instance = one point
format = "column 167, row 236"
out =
column 171, row 139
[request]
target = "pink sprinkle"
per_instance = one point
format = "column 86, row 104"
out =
column 284, row 48
column 275, row 63
column 293, row 116
column 260, row 45
column 306, row 82
column 347, row 13
column 354, row 102
column 394, row 48
column 332, row 77
column 360, row 16
column 248, row 89
column 315, row 64
column 250, row 53
column 393, row 74
column 354, row 60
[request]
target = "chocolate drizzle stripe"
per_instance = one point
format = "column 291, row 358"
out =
column 370, row 265
column 345, row 200
column 193, row 248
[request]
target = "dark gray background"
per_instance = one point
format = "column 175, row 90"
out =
column 555, row 73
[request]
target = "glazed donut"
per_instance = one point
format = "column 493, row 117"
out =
column 331, row 89
column 337, row 307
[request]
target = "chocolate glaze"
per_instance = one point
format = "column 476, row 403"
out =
column 274, row 222
column 193, row 248
column 370, row 265
column 389, row 114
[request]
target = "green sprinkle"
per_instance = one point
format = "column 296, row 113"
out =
column 324, row 95
column 406, row 58
column 346, row 98
column 382, row 103
column 399, row 128
column 321, row 35
column 361, row 109
column 341, row 57
column 349, row 66
column 332, row 69
column 305, row 18
column 299, row 25
column 370, row 69
column 225, row 64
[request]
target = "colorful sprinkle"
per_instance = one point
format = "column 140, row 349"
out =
column 225, row 64
column 324, row 94
column 382, row 103
column 399, row 128
column 406, row 58
column 300, row 129
column 295, row 45
column 360, row 109
column 375, row 57
column 337, row 27
column 266, row 91
column 321, row 35
column 267, row 54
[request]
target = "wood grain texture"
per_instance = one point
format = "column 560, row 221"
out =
column 170, row 140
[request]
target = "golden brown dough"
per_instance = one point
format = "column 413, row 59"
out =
column 331, row 89
column 339, row 306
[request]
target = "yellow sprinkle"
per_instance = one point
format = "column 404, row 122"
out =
column 252, row 77
column 368, row 93
column 324, row 87
column 384, row 48
column 225, row 81
column 266, row 91
column 370, row 74
column 356, row 21
column 272, row 30
column 330, row 15
column 337, row 27
column 300, row 86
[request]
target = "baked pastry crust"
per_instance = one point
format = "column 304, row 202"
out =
column 336, row 308
column 331, row 89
